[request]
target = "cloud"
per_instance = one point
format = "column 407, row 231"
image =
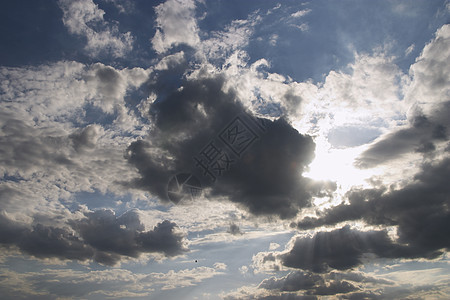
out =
column 234, row 229
column 84, row 18
column 427, row 97
column 303, row 27
column 294, row 281
column 57, row 140
column 123, row 6
column 113, row 282
column 419, row 138
column 409, row 49
column 339, row 249
column 266, row 179
column 86, row 138
column 345, row 285
column 176, row 24
column 300, row 13
column 100, row 236
column 418, row 210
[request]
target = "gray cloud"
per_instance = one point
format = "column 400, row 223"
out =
column 321, row 284
column 420, row 137
column 427, row 95
column 294, row 281
column 234, row 229
column 266, row 179
column 100, row 236
column 341, row 249
column 419, row 210
column 85, row 138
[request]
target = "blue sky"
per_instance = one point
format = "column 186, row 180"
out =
column 318, row 132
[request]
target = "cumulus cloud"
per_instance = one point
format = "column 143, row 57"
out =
column 266, row 179
column 100, row 236
column 340, row 249
column 427, row 97
column 65, row 127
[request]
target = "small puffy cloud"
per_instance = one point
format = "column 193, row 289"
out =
column 86, row 138
column 303, row 27
column 274, row 246
column 234, row 229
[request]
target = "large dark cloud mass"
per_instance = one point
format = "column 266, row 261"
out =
column 265, row 178
column 101, row 236
column 342, row 249
column 419, row 210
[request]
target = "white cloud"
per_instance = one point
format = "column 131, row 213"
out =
column 84, row 18
column 274, row 246
column 170, row 61
column 303, row 27
column 176, row 24
column 301, row 13
column 235, row 36
column 124, row 6
column 409, row 49
column 430, row 74
column 273, row 39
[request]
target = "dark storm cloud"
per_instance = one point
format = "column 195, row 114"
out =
column 266, row 179
column 100, row 236
column 419, row 210
column 421, row 136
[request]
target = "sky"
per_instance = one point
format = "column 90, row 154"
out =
column 212, row 149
